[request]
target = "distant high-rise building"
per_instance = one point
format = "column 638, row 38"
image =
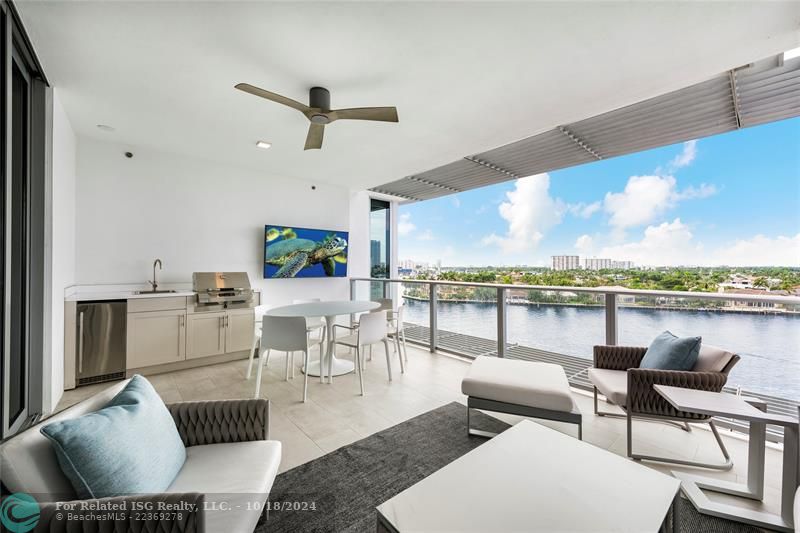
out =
column 599, row 263
column 375, row 252
column 566, row 262
column 595, row 263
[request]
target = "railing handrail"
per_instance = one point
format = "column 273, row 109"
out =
column 619, row 291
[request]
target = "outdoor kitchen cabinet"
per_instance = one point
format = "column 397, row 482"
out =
column 239, row 330
column 205, row 334
column 156, row 337
column 215, row 333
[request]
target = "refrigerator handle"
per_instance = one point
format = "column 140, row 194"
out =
column 80, row 343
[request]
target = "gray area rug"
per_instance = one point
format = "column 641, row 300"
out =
column 339, row 491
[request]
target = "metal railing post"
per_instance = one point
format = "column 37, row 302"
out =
column 502, row 322
column 612, row 329
column 385, row 286
column 352, row 297
column 433, row 300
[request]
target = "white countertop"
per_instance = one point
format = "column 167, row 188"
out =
column 82, row 293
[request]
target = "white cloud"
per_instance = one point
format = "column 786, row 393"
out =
column 426, row 235
column 761, row 251
column 672, row 244
column 686, row 156
column 647, row 197
column 584, row 243
column 585, row 210
column 692, row 193
column 530, row 211
column 644, row 198
column 482, row 209
column 404, row 224
column 456, row 202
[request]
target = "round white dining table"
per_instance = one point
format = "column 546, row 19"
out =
column 330, row 310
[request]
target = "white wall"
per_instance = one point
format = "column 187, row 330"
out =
column 194, row 215
column 61, row 237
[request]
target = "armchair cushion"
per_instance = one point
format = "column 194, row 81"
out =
column 129, row 446
column 613, row 384
column 235, row 477
column 712, row 359
column 668, row 352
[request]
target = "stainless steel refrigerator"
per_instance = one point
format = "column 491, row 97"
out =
column 101, row 339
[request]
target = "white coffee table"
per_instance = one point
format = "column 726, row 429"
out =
column 754, row 412
column 330, row 310
column 535, row 479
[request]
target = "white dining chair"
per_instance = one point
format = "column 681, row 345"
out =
column 313, row 324
column 260, row 311
column 386, row 304
column 371, row 330
column 286, row 334
column 397, row 331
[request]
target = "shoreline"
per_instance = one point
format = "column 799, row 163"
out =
column 739, row 310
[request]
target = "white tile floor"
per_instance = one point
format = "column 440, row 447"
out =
column 336, row 415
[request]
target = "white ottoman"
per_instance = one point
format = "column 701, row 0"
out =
column 524, row 388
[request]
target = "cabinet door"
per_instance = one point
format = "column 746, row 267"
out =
column 239, row 328
column 156, row 337
column 205, row 334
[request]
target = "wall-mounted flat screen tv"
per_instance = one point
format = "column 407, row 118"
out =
column 304, row 253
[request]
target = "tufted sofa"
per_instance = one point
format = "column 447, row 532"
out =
column 223, row 485
column 616, row 374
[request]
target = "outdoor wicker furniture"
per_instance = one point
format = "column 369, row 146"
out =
column 616, row 374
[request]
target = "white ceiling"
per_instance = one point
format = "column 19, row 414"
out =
column 465, row 77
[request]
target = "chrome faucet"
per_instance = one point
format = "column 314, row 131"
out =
column 154, row 283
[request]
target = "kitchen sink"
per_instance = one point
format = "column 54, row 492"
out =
column 160, row 291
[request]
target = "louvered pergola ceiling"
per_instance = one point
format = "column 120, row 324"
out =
column 765, row 91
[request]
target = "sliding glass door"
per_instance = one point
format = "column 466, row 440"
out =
column 21, row 242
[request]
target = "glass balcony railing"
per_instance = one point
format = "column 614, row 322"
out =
column 562, row 324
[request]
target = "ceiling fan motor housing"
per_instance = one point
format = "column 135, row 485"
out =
column 320, row 98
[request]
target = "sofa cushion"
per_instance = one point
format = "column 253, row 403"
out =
column 668, row 352
column 542, row 385
column 613, row 384
column 712, row 359
column 235, row 478
column 28, row 461
column 130, row 446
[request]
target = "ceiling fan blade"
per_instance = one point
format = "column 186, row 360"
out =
column 382, row 114
column 314, row 137
column 275, row 97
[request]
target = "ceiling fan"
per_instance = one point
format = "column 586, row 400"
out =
column 319, row 111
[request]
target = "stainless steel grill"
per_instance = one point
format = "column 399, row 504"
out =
column 223, row 289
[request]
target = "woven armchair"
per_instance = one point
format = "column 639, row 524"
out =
column 199, row 423
column 640, row 400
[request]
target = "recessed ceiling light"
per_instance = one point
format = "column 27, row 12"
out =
column 263, row 144
column 791, row 54
column 105, row 127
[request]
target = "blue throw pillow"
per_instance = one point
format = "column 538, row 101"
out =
column 129, row 446
column 668, row 352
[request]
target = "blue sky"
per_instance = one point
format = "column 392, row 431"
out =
column 731, row 199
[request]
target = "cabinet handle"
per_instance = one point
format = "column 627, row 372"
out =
column 80, row 343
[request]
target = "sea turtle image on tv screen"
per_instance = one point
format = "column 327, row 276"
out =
column 304, row 253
